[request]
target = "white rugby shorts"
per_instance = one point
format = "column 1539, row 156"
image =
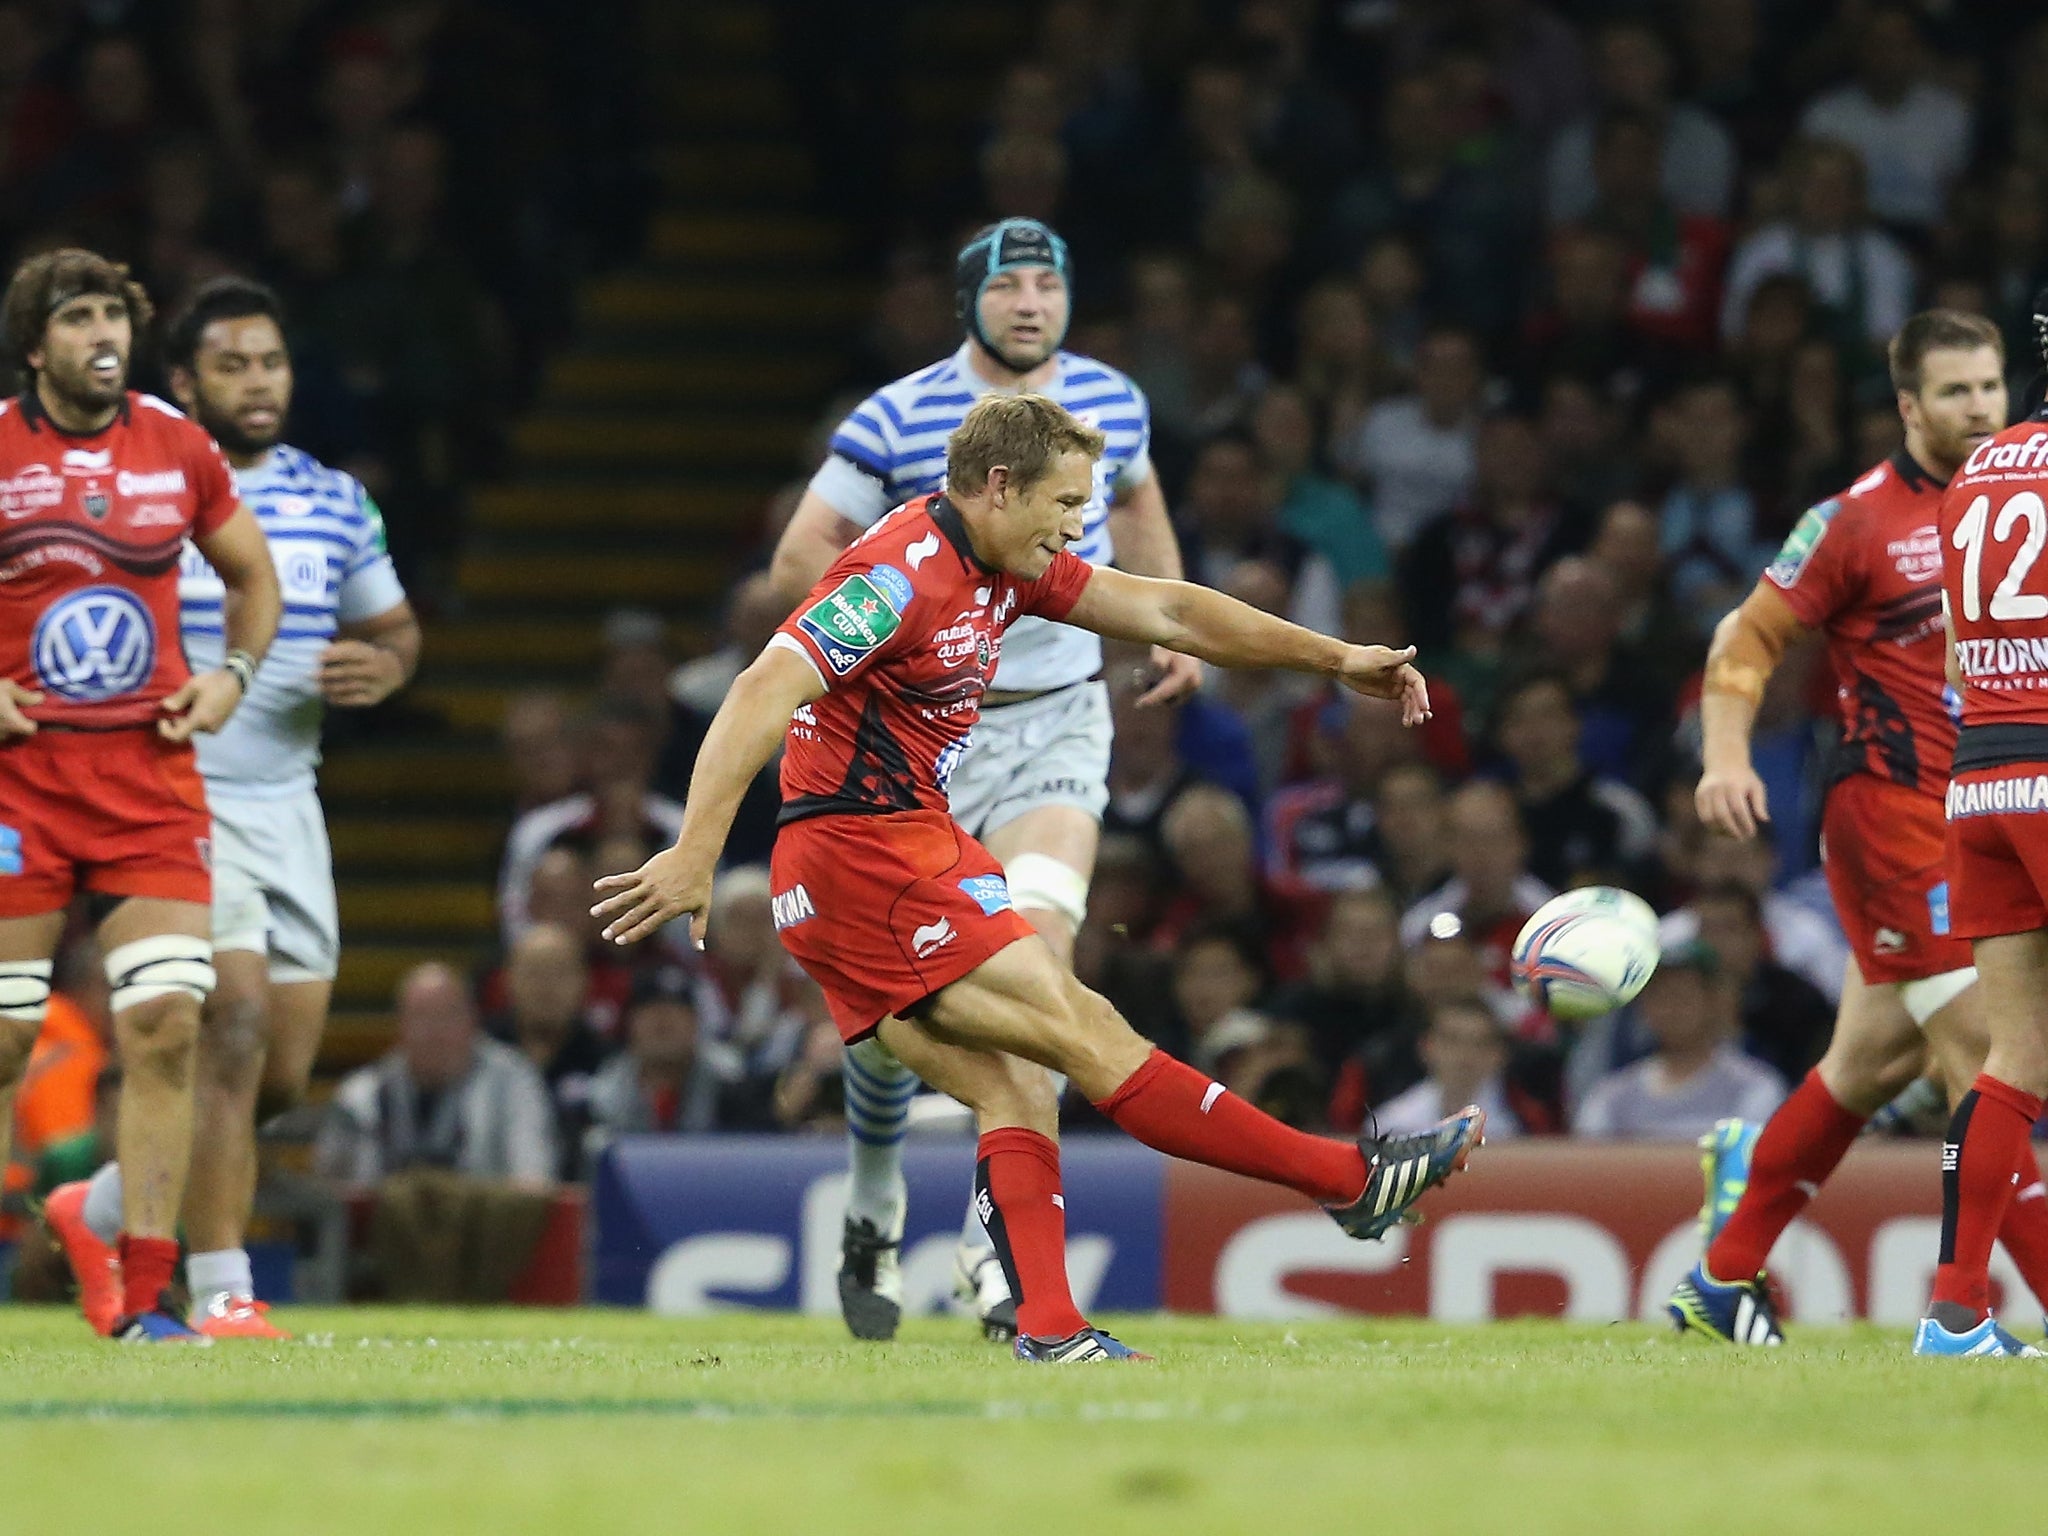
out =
column 1051, row 750
column 273, row 883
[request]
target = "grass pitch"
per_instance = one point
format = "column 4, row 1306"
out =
column 417, row 1423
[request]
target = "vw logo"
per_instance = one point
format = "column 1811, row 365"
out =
column 95, row 645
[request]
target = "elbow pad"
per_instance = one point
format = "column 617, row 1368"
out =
column 1748, row 645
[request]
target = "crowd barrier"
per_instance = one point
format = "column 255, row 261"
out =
column 1586, row 1231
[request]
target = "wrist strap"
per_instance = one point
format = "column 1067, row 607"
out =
column 243, row 665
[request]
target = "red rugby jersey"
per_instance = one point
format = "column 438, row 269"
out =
column 1994, row 525
column 1864, row 568
column 90, row 530
column 905, row 628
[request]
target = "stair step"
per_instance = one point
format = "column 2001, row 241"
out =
column 649, row 507
column 389, row 844
column 370, row 971
column 517, row 654
column 468, row 776
column 640, row 298
column 466, row 705
column 772, row 172
column 355, row 1037
column 513, row 643
column 654, row 438
column 750, row 239
column 560, row 580
column 693, row 378
column 702, row 105
column 705, row 28
column 462, row 910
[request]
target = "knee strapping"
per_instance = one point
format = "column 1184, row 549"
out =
column 25, row 990
column 1046, row 884
column 163, row 965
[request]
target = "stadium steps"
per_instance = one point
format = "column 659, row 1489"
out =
column 689, row 393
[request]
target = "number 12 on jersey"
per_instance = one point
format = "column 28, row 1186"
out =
column 2008, row 602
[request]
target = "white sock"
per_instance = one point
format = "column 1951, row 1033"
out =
column 222, row 1272
column 103, row 1203
column 878, row 1093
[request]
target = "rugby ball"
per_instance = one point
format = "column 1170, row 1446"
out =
column 1585, row 953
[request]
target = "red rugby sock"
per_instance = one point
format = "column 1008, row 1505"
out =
column 147, row 1264
column 2025, row 1230
column 1169, row 1105
column 1986, row 1141
column 1800, row 1146
column 1017, row 1192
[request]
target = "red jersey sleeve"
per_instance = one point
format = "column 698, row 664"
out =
column 1817, row 570
column 852, row 616
column 213, row 486
column 1054, row 594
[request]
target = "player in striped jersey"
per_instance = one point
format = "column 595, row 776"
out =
column 1032, row 782
column 348, row 638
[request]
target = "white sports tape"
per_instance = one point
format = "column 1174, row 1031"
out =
column 1930, row 994
column 159, row 966
column 1040, row 881
column 24, row 990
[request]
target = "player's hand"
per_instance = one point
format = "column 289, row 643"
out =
column 1732, row 803
column 356, row 674
column 203, row 704
column 1383, row 673
column 668, row 885
column 1174, row 677
column 13, row 700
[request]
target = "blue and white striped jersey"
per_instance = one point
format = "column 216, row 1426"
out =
column 892, row 448
column 327, row 539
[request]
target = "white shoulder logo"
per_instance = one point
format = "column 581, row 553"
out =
column 1871, row 481
column 922, row 550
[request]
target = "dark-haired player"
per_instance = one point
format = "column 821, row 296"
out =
column 348, row 637
column 1033, row 782
column 99, row 791
column 1863, row 568
column 906, row 922
column 1994, row 523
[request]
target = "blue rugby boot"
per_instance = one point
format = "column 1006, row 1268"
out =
column 1075, row 1348
column 1399, row 1170
column 1724, row 1161
column 1985, row 1341
column 159, row 1325
column 1738, row 1313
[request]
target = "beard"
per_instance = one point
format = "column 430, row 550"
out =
column 234, row 439
column 81, row 390
column 1022, row 359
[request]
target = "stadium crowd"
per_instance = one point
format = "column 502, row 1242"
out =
column 1525, row 333
column 421, row 181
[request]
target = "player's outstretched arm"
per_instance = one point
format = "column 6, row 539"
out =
column 814, row 537
column 1747, row 646
column 744, row 734
column 241, row 554
column 1197, row 621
